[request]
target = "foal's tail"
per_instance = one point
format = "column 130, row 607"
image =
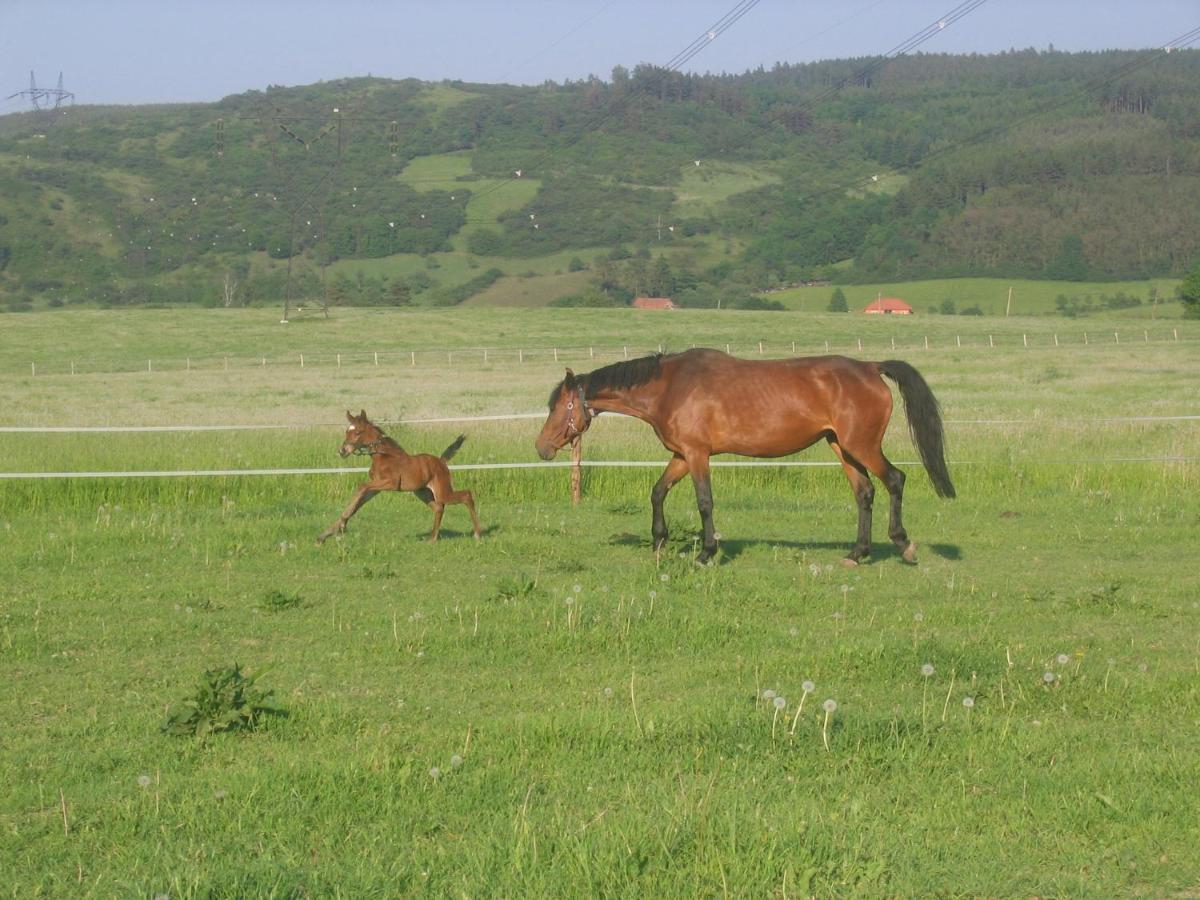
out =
column 453, row 448
column 924, row 421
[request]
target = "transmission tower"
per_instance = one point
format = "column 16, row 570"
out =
column 38, row 95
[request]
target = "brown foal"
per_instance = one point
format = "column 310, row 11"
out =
column 394, row 470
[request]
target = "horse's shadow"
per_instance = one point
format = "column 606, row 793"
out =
column 732, row 549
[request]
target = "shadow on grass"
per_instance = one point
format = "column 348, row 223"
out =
column 732, row 549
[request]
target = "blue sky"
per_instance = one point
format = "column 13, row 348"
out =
column 136, row 51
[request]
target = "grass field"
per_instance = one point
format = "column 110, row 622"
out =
column 551, row 711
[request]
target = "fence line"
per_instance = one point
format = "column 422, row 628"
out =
column 595, row 464
column 114, row 429
column 488, row 356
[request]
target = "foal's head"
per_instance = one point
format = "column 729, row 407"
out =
column 569, row 417
column 362, row 436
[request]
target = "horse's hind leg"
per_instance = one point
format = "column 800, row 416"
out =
column 864, row 496
column 893, row 480
column 702, row 479
column 468, row 499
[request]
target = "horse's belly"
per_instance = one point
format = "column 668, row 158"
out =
column 779, row 440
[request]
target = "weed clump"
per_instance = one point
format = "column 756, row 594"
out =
column 225, row 699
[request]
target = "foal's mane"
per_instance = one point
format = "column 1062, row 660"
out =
column 385, row 439
column 618, row 376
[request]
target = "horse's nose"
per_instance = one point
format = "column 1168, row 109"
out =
column 546, row 451
column 343, row 451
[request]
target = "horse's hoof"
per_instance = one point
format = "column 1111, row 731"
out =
column 909, row 555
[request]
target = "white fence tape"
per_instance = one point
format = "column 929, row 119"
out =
column 110, row 429
column 596, row 463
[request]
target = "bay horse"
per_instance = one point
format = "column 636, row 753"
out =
column 701, row 402
column 392, row 469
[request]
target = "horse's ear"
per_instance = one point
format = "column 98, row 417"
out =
column 362, row 415
column 350, row 416
column 569, row 381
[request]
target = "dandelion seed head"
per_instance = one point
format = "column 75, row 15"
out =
column 455, row 761
column 919, row 617
column 664, row 577
column 143, row 781
column 969, row 702
column 927, row 669
column 1048, row 677
column 653, row 594
column 220, row 794
column 568, row 600
column 608, row 692
column 1063, row 659
column 435, row 773
column 768, row 694
column 577, row 588
column 808, row 687
column 829, row 705
column 779, row 702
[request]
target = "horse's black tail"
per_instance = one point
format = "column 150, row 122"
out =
column 924, row 421
column 453, row 448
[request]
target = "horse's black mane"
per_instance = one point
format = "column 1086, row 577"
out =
column 618, row 376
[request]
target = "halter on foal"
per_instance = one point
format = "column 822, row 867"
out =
column 702, row 402
column 394, row 470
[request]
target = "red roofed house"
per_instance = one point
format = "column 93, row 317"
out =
column 888, row 306
column 652, row 303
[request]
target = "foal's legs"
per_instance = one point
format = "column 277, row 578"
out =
column 675, row 470
column 439, row 493
column 467, row 498
column 364, row 493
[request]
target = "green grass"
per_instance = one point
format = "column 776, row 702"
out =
column 1029, row 298
column 703, row 188
column 617, row 744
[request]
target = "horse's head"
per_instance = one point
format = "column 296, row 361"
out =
column 361, row 437
column 569, row 417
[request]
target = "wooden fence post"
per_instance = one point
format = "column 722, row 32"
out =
column 577, row 469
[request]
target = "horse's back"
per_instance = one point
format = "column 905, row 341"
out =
column 771, row 407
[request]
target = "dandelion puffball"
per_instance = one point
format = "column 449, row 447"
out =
column 968, row 702
column 779, row 702
column 768, row 694
column 829, row 705
column 1048, row 677
column 455, row 761
column 143, row 781
column 808, row 687
column 1063, row 659
column 927, row 669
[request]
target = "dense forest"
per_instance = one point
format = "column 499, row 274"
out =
column 1024, row 164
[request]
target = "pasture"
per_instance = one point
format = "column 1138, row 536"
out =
column 552, row 711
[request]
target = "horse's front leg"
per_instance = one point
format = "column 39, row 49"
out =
column 364, row 493
column 675, row 470
column 702, row 479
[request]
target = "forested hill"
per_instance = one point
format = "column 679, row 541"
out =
column 1029, row 163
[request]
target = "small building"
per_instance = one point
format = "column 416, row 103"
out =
column 888, row 306
column 653, row 303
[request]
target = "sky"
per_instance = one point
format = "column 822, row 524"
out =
column 167, row 51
